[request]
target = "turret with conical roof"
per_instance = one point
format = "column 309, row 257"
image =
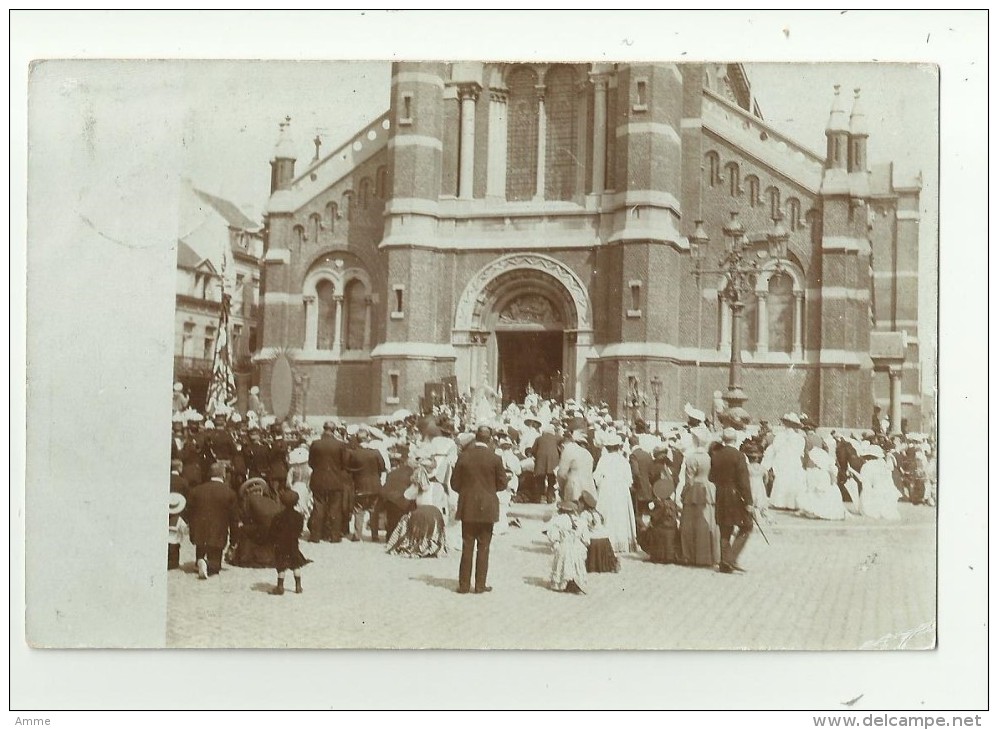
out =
column 282, row 166
column 859, row 185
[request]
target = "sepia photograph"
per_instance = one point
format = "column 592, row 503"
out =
column 484, row 351
column 533, row 329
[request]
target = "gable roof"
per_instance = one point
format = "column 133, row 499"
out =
column 187, row 257
column 229, row 211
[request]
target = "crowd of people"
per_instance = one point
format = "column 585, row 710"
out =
column 247, row 487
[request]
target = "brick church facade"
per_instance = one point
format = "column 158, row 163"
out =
column 508, row 224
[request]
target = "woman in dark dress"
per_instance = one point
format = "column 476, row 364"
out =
column 285, row 531
column 257, row 508
column 278, row 466
column 661, row 538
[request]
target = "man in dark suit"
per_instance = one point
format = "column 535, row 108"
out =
column 257, row 455
column 327, row 457
column 642, row 464
column 366, row 465
column 546, row 459
column 213, row 515
column 478, row 478
column 729, row 473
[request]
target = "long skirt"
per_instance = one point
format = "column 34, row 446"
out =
column 600, row 557
column 699, row 535
column 661, row 542
column 569, row 564
column 419, row 534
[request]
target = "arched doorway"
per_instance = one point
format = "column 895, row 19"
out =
column 522, row 324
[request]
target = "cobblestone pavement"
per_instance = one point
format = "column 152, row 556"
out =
column 819, row 585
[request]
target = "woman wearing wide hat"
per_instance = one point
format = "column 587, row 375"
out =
column 421, row 533
column 785, row 458
column 569, row 539
column 701, row 541
column 600, row 557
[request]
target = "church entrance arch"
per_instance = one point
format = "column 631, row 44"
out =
column 522, row 325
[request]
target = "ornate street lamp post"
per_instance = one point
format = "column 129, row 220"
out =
column 656, row 389
column 739, row 266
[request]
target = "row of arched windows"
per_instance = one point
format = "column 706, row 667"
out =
column 549, row 108
column 353, row 325
column 773, row 317
column 337, row 310
column 736, row 187
column 332, row 213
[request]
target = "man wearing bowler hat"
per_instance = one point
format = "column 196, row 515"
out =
column 478, row 478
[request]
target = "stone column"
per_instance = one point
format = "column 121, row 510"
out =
column 368, row 302
column 894, row 374
column 798, row 347
column 466, row 177
column 725, row 310
column 599, row 134
column 338, row 332
column 311, row 322
column 498, row 131
column 542, row 143
column 762, row 323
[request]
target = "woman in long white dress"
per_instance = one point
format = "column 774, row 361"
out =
column 821, row 498
column 613, row 490
column 785, row 457
column 879, row 498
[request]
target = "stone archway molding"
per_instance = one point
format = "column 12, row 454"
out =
column 464, row 319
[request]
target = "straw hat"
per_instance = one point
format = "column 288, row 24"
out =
column 695, row 413
column 568, row 506
column 178, row 387
column 579, row 436
column 255, row 485
column 588, row 499
column 298, row 456
column 177, row 503
column 613, row 440
column 791, row 419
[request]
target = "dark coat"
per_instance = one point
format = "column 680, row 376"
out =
column 397, row 481
column 366, row 466
column 546, row 456
column 220, row 446
column 285, row 529
column 641, row 468
column 179, row 485
column 729, row 473
column 478, row 478
column 278, row 459
column 212, row 512
column 190, row 454
column 327, row 457
column 257, row 457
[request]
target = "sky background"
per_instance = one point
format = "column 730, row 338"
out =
column 234, row 109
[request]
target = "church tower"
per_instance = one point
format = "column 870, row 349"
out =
column 845, row 395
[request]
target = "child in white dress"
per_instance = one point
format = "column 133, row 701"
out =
column 570, row 540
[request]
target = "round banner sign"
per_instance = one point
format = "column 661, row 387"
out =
column 282, row 387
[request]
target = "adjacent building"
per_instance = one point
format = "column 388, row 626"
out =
column 527, row 225
column 213, row 229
